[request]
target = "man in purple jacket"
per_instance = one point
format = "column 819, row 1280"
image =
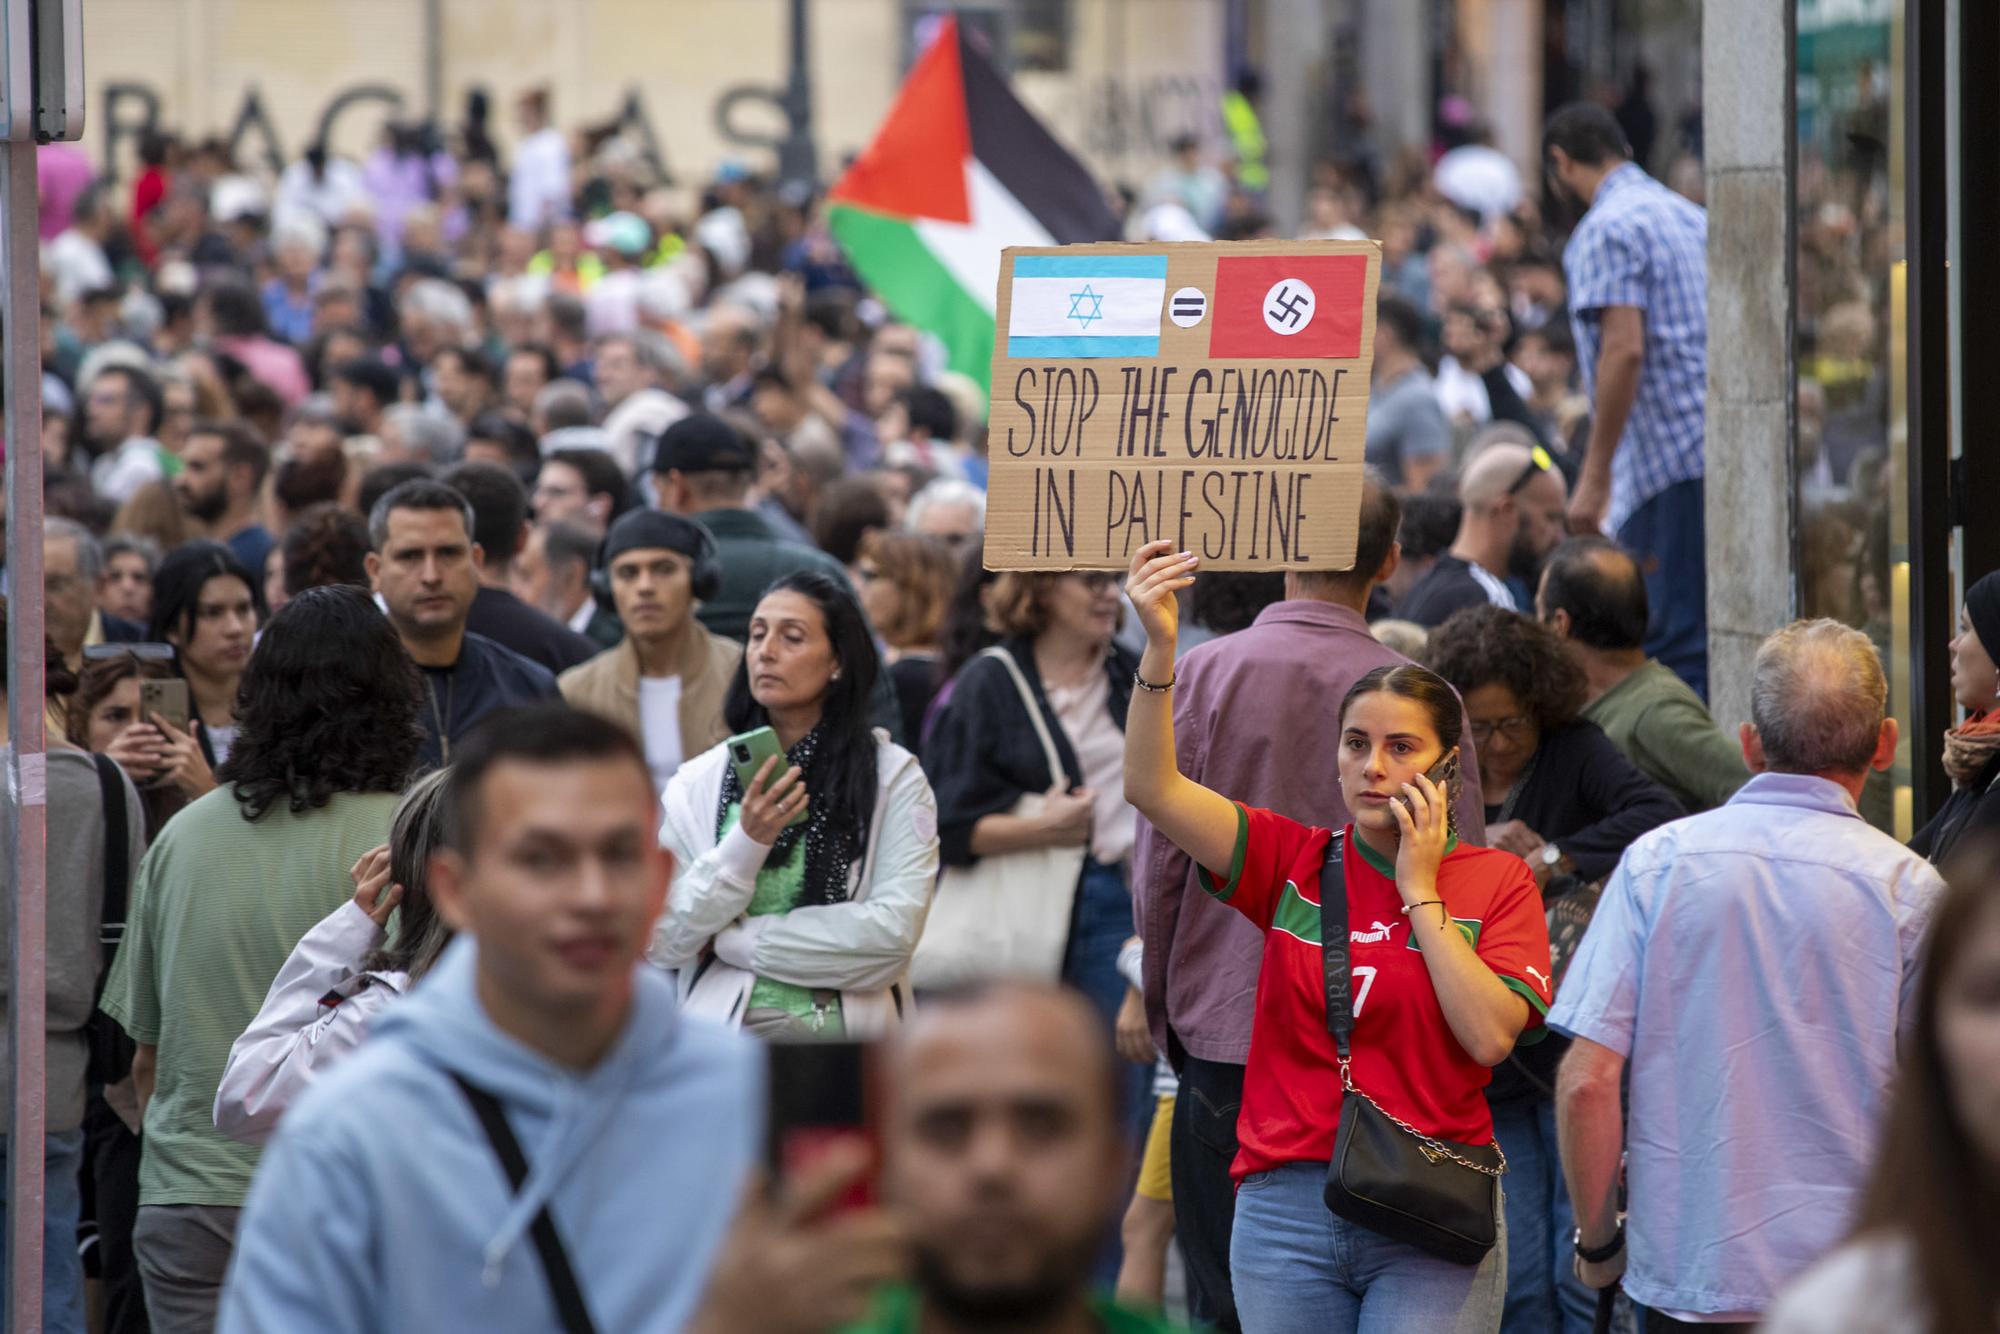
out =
column 1257, row 715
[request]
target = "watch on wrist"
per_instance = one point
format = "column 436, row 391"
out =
column 1609, row 1250
column 1551, row 856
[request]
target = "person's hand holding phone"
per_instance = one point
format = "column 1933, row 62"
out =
column 789, row 1266
column 373, row 893
column 139, row 750
column 772, row 800
column 1066, row 817
column 1424, row 818
column 181, row 760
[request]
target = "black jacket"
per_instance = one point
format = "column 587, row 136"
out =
column 486, row 677
column 535, row 635
column 983, row 755
column 1966, row 811
column 1585, row 797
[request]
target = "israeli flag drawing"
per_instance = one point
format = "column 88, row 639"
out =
column 1086, row 305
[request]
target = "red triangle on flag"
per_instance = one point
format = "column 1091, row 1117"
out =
column 915, row 168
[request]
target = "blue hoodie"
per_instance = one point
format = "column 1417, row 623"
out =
column 381, row 1205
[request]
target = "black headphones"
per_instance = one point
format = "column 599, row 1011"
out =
column 705, row 577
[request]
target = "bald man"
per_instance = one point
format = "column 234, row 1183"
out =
column 1513, row 500
column 1005, row 1162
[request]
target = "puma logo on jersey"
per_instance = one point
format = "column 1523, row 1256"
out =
column 1382, row 931
column 1537, row 975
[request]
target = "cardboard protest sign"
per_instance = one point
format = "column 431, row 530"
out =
column 1215, row 394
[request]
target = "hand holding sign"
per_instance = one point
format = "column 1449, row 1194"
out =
column 1157, row 576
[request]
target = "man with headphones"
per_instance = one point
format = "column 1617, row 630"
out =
column 666, row 681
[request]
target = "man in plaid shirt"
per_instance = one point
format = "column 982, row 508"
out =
column 1638, row 296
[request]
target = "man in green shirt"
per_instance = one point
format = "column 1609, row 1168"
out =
column 1594, row 596
column 328, row 733
column 1005, row 1159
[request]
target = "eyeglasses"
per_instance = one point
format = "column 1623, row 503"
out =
column 1512, row 728
column 1539, row 461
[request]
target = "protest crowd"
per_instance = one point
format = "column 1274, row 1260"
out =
column 422, row 529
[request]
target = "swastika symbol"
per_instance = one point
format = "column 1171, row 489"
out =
column 1288, row 307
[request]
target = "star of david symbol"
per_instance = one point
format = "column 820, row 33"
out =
column 1086, row 306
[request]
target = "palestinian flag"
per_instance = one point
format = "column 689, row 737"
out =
column 959, row 171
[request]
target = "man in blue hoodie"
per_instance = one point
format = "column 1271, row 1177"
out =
column 387, row 1201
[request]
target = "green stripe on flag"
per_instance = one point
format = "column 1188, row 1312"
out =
column 916, row 287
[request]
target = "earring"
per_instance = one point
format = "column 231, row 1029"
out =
column 835, row 676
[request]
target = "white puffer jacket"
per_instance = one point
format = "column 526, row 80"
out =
column 860, row 948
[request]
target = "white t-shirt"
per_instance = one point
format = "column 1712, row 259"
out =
column 221, row 740
column 660, row 724
column 1085, row 714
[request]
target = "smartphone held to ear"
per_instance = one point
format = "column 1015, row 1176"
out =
column 1442, row 775
column 747, row 753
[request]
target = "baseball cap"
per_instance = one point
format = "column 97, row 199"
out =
column 703, row 442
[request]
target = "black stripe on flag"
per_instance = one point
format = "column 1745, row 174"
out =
column 1025, row 157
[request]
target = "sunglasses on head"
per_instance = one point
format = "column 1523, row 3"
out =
column 1538, row 462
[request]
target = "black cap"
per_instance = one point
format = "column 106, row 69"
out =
column 703, row 443
column 651, row 530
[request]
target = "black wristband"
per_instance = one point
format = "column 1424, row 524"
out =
column 1609, row 1250
column 1144, row 684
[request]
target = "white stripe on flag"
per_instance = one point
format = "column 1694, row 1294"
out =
column 1086, row 307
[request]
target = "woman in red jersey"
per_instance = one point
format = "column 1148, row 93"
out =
column 1449, row 955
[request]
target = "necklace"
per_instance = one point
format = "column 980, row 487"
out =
column 443, row 720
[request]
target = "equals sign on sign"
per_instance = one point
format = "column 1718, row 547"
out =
column 1188, row 306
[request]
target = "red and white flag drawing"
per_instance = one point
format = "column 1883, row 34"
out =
column 1288, row 306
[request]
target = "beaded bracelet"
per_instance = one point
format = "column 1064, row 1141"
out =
column 1144, row 684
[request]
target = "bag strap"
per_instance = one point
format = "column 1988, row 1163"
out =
column 1340, row 1004
column 1333, row 946
column 117, row 857
column 1057, row 773
column 563, row 1286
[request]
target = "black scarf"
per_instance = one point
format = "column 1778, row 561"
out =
column 829, row 843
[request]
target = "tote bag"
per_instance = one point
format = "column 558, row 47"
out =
column 1003, row 916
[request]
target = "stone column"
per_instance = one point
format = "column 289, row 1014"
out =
column 1294, row 66
column 1752, row 582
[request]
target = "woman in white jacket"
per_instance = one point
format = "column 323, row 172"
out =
column 800, row 930
column 340, row 974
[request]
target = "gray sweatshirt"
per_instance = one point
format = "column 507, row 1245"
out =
column 75, row 908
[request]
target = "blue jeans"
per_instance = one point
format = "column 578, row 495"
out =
column 1099, row 928
column 1667, row 536
column 1300, row 1269
column 62, row 1205
column 1544, row 1295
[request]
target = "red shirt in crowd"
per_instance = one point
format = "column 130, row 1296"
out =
column 1405, row 1056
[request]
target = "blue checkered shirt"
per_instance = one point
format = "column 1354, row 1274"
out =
column 1642, row 245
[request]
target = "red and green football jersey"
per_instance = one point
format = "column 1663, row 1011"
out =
column 1405, row 1056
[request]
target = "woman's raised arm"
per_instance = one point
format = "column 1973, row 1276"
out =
column 1201, row 823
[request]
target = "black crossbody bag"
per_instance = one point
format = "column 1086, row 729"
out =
column 563, row 1287
column 1386, row 1175
column 109, row 1050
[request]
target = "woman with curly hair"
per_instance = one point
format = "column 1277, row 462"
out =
column 327, row 735
column 1561, row 797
